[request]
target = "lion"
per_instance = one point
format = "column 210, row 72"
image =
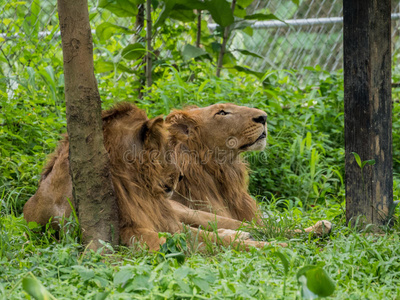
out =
column 143, row 179
column 207, row 143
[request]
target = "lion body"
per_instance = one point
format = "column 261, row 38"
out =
column 208, row 144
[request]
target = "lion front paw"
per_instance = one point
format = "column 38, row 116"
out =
column 322, row 227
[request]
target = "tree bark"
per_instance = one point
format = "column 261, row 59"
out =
column 368, row 109
column 93, row 192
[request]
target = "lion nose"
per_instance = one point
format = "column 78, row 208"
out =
column 261, row 119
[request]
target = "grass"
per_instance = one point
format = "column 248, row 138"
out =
column 298, row 180
column 362, row 266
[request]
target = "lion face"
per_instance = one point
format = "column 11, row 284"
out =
column 223, row 126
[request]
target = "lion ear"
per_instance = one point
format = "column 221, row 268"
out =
column 179, row 122
column 152, row 131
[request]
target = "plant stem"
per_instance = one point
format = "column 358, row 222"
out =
column 139, row 25
column 224, row 41
column 198, row 36
column 149, row 61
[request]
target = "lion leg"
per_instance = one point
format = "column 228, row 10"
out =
column 320, row 228
column 193, row 217
column 227, row 237
column 146, row 236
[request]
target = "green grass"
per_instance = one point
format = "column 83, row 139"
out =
column 299, row 180
column 361, row 265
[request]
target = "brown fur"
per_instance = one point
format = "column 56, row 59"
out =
column 208, row 148
column 140, row 172
column 207, row 145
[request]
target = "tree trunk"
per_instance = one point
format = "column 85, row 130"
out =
column 93, row 192
column 368, row 109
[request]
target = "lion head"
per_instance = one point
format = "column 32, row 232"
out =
column 207, row 143
column 221, row 126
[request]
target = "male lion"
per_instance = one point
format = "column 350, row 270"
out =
column 142, row 180
column 207, row 143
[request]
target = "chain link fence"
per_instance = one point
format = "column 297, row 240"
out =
column 311, row 35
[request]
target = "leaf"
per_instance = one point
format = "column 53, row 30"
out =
column 168, row 6
column 106, row 30
column 305, row 292
column 121, row 8
column 220, row 11
column 183, row 15
column 370, row 162
column 34, row 225
column 35, row 289
column 284, row 261
column 216, row 47
column 239, row 12
column 315, row 280
column 247, row 52
column 101, row 66
column 140, row 283
column 358, row 159
column 101, row 296
column 122, row 276
column 201, row 284
column 319, row 282
column 179, row 256
column 181, row 272
column 190, row 52
column 133, row 51
column 84, row 273
column 171, row 8
column 244, row 3
column 297, row 2
column 249, row 71
column 229, row 60
column 248, row 30
column 262, row 17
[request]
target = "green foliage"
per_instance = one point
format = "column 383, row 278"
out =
column 362, row 164
column 174, row 247
column 34, row 288
column 361, row 265
column 315, row 282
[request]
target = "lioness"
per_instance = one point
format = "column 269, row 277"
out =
column 207, row 143
column 142, row 177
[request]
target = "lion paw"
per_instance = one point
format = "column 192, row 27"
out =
column 322, row 227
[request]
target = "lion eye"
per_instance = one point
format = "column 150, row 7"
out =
column 222, row 113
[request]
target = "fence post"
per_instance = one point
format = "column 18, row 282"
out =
column 368, row 109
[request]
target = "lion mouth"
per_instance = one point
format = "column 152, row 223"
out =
column 262, row 136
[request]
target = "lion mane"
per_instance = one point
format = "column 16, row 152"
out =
column 208, row 142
